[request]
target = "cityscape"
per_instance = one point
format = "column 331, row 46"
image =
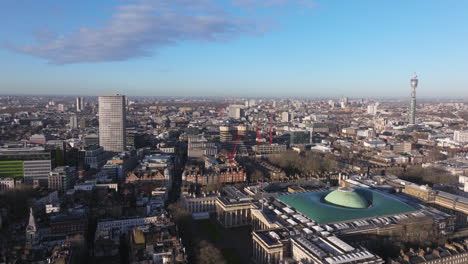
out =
column 123, row 141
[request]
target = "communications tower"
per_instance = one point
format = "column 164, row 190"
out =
column 412, row 113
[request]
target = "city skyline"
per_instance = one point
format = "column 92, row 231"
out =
column 234, row 131
column 234, row 48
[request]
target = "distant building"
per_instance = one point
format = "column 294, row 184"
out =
column 145, row 247
column 28, row 163
column 323, row 127
column 199, row 146
column 135, row 139
column 7, row 184
column 73, row 122
column 402, row 147
column 91, row 139
column 225, row 134
column 69, row 223
column 126, row 224
column 216, row 175
column 344, row 102
column 236, row 111
column 154, row 168
column 95, row 157
column 62, row 178
column 285, row 117
column 268, row 149
column 114, row 171
column 241, row 130
column 460, row 136
column 61, row 108
column 299, row 137
column 372, row 109
column 374, row 144
column 112, row 123
column 80, row 104
column 82, row 123
column 349, row 131
column 38, row 139
column 51, row 208
column 450, row 253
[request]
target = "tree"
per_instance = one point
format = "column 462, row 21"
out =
column 311, row 162
column 420, row 175
column 257, row 175
column 209, row 254
column 179, row 212
column 436, row 155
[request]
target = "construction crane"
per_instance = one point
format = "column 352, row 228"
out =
column 258, row 134
column 232, row 154
column 271, row 128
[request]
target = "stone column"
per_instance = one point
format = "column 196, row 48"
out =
column 255, row 250
column 236, row 217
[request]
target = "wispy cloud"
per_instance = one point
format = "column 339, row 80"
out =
column 255, row 4
column 138, row 27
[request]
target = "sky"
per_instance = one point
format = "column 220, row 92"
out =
column 299, row 48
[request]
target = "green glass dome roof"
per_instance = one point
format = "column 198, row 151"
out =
column 313, row 205
column 347, row 197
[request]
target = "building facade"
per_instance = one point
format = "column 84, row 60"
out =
column 79, row 104
column 62, row 178
column 31, row 164
column 460, row 136
column 112, row 122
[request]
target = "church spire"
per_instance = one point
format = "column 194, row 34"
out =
column 32, row 222
column 31, row 229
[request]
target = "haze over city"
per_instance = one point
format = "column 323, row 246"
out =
column 233, row 47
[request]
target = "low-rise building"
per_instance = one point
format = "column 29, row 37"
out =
column 268, row 149
column 200, row 204
column 156, row 244
column 62, row 178
column 460, row 136
column 7, row 184
column 95, row 157
column 451, row 253
column 233, row 208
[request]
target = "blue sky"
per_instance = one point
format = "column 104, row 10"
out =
column 234, row 47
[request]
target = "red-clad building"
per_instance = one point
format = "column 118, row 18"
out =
column 139, row 175
column 69, row 224
column 218, row 174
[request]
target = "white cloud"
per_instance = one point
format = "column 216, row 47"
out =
column 138, row 27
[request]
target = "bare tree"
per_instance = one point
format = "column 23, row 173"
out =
column 209, row 254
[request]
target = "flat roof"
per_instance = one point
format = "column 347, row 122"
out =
column 312, row 205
